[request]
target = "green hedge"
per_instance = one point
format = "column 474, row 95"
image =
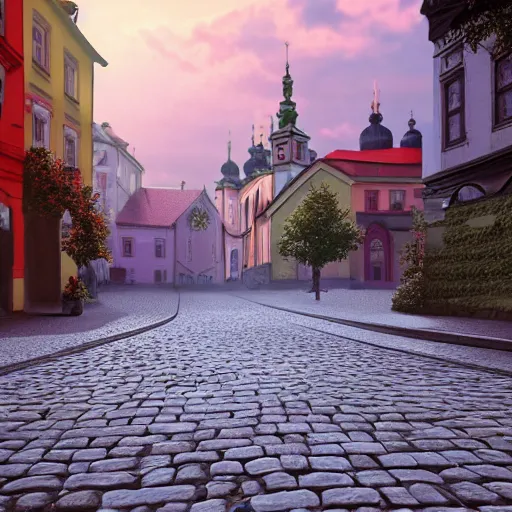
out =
column 474, row 268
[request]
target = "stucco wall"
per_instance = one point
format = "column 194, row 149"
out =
column 141, row 267
column 282, row 269
column 479, row 101
column 206, row 254
column 359, row 201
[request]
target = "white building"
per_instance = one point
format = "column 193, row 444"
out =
column 472, row 143
column 116, row 174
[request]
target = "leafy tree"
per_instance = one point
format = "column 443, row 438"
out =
column 480, row 20
column 319, row 232
column 410, row 295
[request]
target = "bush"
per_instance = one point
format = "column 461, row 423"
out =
column 410, row 295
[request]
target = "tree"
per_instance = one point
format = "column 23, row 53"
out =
column 480, row 20
column 87, row 237
column 410, row 295
column 319, row 232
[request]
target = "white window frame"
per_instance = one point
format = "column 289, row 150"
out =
column 42, row 25
column 2, row 86
column 162, row 246
column 132, row 247
column 70, row 134
column 43, row 115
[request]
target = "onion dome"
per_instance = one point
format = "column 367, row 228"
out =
column 258, row 161
column 229, row 169
column 375, row 136
column 412, row 138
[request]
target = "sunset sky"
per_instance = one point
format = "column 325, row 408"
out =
column 182, row 74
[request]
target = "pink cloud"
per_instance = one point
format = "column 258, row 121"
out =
column 340, row 131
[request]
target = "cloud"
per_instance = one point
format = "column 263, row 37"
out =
column 339, row 131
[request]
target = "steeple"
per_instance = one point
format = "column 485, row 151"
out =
column 229, row 169
column 287, row 113
column 375, row 136
column 229, row 146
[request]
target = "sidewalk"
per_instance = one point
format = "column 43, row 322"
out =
column 120, row 309
column 371, row 309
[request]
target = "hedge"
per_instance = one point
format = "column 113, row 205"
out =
column 473, row 270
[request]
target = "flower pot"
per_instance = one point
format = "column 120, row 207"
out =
column 73, row 307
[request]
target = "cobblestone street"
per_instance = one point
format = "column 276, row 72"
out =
column 235, row 402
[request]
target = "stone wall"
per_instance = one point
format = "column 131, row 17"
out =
column 257, row 276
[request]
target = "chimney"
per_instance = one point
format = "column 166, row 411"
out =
column 182, row 185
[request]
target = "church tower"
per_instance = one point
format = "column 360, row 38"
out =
column 290, row 152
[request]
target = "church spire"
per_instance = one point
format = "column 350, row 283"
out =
column 229, row 146
column 287, row 113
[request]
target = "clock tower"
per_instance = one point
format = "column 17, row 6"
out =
column 290, row 152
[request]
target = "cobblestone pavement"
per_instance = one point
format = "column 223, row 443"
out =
column 118, row 309
column 234, row 402
column 373, row 306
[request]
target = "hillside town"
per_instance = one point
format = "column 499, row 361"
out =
column 306, row 331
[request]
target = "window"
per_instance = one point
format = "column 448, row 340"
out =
column 70, row 147
column 133, row 183
column 127, row 247
column 230, row 212
column 503, row 93
column 247, row 213
column 469, row 193
column 397, row 200
column 257, row 202
column 41, row 42
column 159, row 248
column 158, row 276
column 299, row 151
column 2, row 86
column 40, row 126
column 165, row 276
column 70, row 76
column 454, row 118
column 453, row 84
column 371, row 200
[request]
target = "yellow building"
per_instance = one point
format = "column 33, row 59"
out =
column 59, row 71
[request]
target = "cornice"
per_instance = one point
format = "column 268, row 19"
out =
column 9, row 58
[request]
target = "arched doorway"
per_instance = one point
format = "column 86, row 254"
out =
column 378, row 262
column 6, row 259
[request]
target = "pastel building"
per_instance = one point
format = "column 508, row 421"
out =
column 59, row 80
column 379, row 184
column 166, row 235
column 117, row 174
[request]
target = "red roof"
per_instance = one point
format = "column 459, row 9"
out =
column 408, row 156
column 156, row 207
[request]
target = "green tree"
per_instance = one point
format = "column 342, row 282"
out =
column 319, row 232
column 410, row 295
column 480, row 19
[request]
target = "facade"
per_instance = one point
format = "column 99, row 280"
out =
column 11, row 156
column 59, row 77
column 472, row 118
column 242, row 202
column 169, row 236
column 116, row 175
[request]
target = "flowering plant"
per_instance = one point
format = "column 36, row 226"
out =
column 75, row 290
column 51, row 189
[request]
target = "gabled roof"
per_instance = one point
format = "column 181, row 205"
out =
column 156, row 207
column 394, row 156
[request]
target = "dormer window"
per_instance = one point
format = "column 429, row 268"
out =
column 299, row 151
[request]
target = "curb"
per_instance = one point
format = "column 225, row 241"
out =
column 437, row 336
column 4, row 370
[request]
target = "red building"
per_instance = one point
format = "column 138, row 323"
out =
column 11, row 155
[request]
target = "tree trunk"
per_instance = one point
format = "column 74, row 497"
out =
column 316, row 283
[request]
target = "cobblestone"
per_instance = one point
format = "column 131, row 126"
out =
column 246, row 404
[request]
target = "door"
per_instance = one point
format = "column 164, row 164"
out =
column 233, row 265
column 6, row 259
column 377, row 260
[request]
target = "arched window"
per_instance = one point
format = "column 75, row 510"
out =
column 247, row 213
column 257, row 202
column 469, row 193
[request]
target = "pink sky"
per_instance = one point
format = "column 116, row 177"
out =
column 177, row 82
